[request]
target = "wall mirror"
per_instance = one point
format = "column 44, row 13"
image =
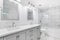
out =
column 10, row 11
column 30, row 14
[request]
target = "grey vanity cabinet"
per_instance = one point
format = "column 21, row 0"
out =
column 1, row 38
column 17, row 36
column 36, row 33
column 29, row 34
column 21, row 36
column 33, row 34
column 10, row 37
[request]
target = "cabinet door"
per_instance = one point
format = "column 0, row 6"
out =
column 10, row 37
column 1, row 38
column 20, row 36
column 29, row 34
column 33, row 34
column 36, row 33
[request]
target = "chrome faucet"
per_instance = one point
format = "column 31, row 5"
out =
column 13, row 24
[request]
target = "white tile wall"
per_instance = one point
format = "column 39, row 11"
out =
column 51, row 17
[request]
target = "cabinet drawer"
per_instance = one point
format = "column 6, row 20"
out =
column 10, row 37
column 1, row 38
column 17, row 36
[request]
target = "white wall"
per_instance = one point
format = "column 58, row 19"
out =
column 35, row 14
column 23, row 15
column 1, row 3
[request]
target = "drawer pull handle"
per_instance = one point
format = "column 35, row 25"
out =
column 31, row 39
column 38, row 38
column 31, row 30
column 17, row 36
column 31, row 35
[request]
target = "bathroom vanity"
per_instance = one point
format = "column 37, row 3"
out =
column 27, row 32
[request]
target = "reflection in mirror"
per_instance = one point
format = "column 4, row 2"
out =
column 10, row 11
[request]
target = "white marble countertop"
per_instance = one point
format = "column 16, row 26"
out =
column 7, row 31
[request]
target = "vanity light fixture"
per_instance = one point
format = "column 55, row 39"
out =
column 29, row 3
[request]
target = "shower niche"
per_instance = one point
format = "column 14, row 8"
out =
column 9, row 11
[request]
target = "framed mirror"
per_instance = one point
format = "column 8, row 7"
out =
column 10, row 11
column 30, row 14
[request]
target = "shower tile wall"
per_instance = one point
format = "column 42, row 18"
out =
column 51, row 18
column 51, row 24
